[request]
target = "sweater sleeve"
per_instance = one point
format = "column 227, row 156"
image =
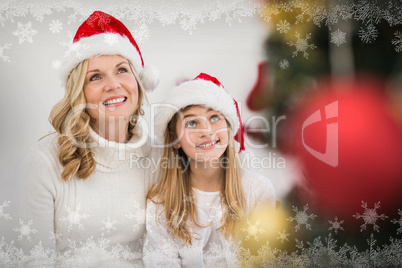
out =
column 160, row 248
column 37, row 197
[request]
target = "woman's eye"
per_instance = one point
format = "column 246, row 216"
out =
column 94, row 77
column 122, row 70
column 214, row 118
column 191, row 123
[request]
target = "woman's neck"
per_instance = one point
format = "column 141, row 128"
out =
column 116, row 131
column 205, row 176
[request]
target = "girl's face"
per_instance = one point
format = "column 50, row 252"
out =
column 202, row 133
column 110, row 89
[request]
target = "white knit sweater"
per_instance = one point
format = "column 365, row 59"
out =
column 211, row 249
column 103, row 215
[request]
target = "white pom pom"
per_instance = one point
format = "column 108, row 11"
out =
column 149, row 77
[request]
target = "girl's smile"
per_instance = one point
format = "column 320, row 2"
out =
column 207, row 145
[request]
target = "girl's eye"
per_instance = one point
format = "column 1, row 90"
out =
column 122, row 70
column 94, row 77
column 214, row 118
column 191, row 123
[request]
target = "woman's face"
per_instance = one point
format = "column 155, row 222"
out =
column 202, row 133
column 110, row 89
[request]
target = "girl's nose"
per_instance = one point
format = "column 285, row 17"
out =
column 205, row 127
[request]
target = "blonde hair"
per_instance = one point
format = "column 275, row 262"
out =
column 71, row 121
column 174, row 191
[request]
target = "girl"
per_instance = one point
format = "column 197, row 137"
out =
column 78, row 186
column 193, row 210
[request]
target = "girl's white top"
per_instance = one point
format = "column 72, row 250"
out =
column 99, row 220
column 211, row 249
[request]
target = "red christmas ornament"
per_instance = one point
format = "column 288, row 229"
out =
column 258, row 97
column 350, row 146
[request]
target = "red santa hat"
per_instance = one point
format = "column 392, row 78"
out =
column 203, row 90
column 102, row 34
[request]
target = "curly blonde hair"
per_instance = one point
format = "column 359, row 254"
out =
column 71, row 121
column 174, row 192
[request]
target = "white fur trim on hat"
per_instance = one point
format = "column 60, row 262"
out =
column 108, row 44
column 196, row 92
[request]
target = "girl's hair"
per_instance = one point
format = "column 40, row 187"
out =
column 174, row 191
column 71, row 121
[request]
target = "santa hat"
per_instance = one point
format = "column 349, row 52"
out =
column 102, row 34
column 203, row 90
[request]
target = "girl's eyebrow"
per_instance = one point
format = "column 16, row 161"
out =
column 209, row 110
column 189, row 115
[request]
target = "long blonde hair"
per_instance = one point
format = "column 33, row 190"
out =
column 174, row 191
column 72, row 122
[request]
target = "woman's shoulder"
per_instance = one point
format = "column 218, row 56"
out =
column 41, row 163
column 46, row 144
column 42, row 152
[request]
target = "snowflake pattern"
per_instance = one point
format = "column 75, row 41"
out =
column 368, row 34
column 2, row 48
column 299, row 243
column 284, row 64
column 317, row 253
column 108, row 225
column 56, row 236
column 397, row 42
column 56, row 64
column 283, row 26
column 301, row 217
column 301, row 45
column 141, row 33
column 395, row 221
column 2, row 213
column 55, row 26
column 25, row 32
column 74, row 218
column 252, row 230
column 138, row 216
column 214, row 213
column 335, row 225
column 370, row 216
column 283, row 236
column 69, row 41
column 100, row 22
column 77, row 48
column 189, row 16
column 25, row 230
column 338, row 37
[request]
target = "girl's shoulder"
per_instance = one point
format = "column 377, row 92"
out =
column 257, row 186
column 252, row 178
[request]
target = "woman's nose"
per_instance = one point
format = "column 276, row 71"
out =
column 112, row 83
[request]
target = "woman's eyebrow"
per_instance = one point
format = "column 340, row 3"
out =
column 117, row 65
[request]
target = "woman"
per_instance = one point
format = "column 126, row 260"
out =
column 80, row 186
